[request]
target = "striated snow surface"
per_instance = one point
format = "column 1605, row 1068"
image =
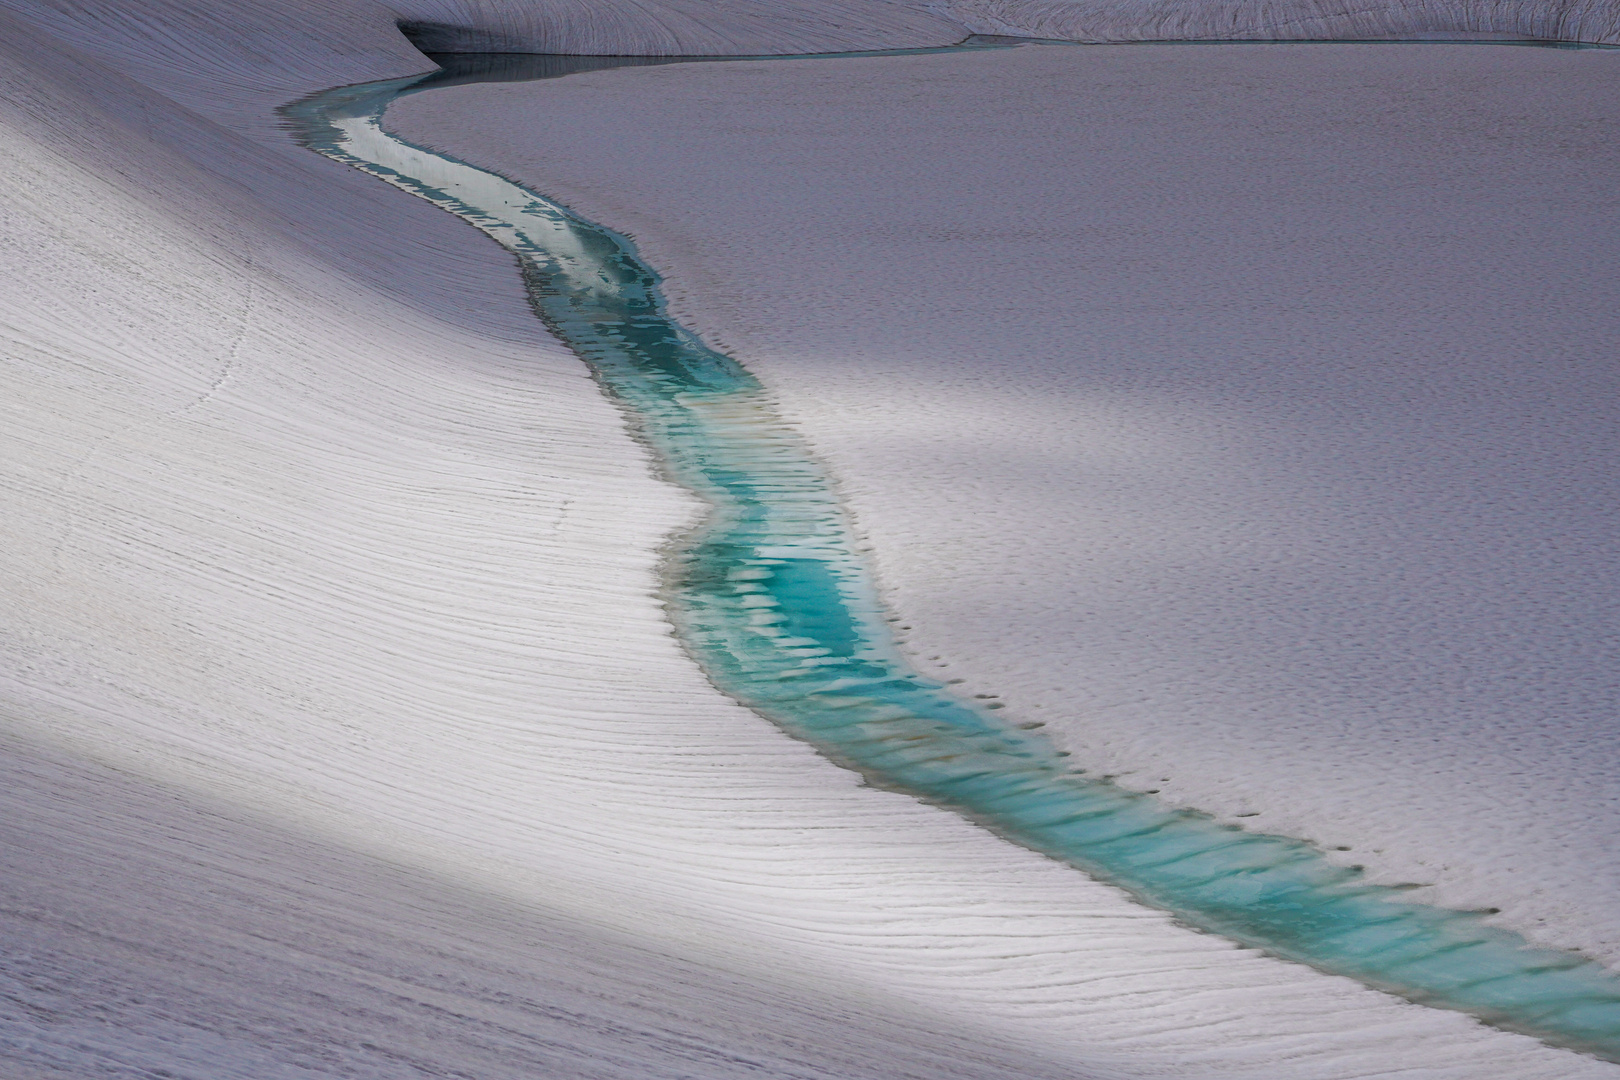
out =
column 343, row 734
column 748, row 27
column 751, row 27
column 1244, row 414
column 678, row 27
column 1151, row 20
column 244, row 38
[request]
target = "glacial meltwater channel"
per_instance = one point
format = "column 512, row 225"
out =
column 771, row 600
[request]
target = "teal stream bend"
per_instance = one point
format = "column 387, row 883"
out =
column 770, row 598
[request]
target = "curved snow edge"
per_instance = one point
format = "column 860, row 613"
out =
column 779, row 27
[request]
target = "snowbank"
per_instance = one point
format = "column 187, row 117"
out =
column 750, row 27
column 256, row 46
column 1243, row 414
column 676, row 27
column 344, row 734
column 739, row 27
column 1195, row 20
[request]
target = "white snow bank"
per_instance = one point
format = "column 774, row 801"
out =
column 347, row 736
column 276, row 43
column 678, row 27
column 1171, row 20
column 231, row 62
column 749, row 27
column 1245, row 414
column 148, row 933
column 249, row 41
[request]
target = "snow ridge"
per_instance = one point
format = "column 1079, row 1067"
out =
column 676, row 27
column 1195, row 20
column 345, row 732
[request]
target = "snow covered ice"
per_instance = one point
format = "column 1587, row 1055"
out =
column 347, row 735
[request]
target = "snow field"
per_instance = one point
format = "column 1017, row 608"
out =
column 1257, row 426
column 341, row 711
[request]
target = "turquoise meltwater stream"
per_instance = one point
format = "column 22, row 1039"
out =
column 770, row 599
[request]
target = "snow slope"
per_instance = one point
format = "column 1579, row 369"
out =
column 265, row 44
column 344, row 735
column 1258, row 420
column 748, row 27
column 752, row 27
column 679, row 27
column 1161, row 20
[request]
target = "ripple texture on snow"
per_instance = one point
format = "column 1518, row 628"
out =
column 776, row 607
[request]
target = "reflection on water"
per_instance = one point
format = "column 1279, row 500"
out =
column 770, row 599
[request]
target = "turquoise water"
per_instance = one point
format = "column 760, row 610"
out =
column 771, row 600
